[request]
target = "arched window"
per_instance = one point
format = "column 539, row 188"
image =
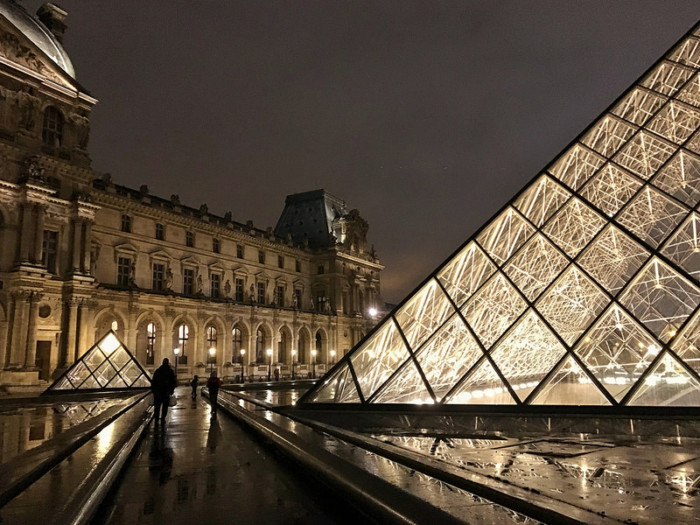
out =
column 183, row 335
column 260, row 346
column 115, row 326
column 237, row 345
column 319, row 347
column 150, row 343
column 282, row 347
column 211, row 343
column 52, row 130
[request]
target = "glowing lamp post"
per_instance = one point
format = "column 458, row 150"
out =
column 294, row 356
column 242, row 365
column 372, row 312
column 269, row 368
column 176, row 351
column 313, row 364
column 212, row 353
column 332, row 357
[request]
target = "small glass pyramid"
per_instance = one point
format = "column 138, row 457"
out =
column 583, row 290
column 108, row 365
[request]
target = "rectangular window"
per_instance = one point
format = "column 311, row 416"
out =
column 158, row 277
column 240, row 284
column 215, row 281
column 297, row 298
column 239, row 251
column 321, row 302
column 297, row 265
column 261, row 293
column 188, row 281
column 189, row 239
column 280, row 296
column 126, row 223
column 215, row 245
column 280, row 261
column 160, row 232
column 321, row 269
column 49, row 250
column 123, row 271
column 261, row 257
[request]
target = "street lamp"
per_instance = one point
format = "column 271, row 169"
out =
column 242, row 365
column 269, row 368
column 313, row 364
column 176, row 351
column 372, row 312
column 294, row 355
column 212, row 353
column 332, row 357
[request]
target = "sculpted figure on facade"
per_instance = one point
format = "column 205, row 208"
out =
column 169, row 280
column 227, row 289
column 81, row 126
column 27, row 104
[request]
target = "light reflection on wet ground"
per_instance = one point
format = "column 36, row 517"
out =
column 643, row 481
column 22, row 429
column 276, row 397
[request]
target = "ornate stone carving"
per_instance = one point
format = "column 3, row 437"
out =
column 81, row 126
column 16, row 51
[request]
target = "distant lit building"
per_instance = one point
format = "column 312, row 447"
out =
column 82, row 255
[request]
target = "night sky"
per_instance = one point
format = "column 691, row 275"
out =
column 426, row 116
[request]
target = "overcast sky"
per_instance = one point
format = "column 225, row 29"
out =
column 426, row 116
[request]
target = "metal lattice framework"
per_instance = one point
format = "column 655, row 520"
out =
column 108, row 365
column 583, row 290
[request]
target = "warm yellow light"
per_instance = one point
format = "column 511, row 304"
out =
column 176, row 351
column 242, row 351
column 212, row 351
column 269, row 351
column 109, row 344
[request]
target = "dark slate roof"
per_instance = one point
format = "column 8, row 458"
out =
column 309, row 217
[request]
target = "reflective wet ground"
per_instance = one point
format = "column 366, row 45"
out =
column 276, row 397
column 22, row 429
column 201, row 470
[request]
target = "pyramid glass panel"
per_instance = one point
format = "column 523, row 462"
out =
column 423, row 313
column 375, row 361
column 535, row 266
column 645, row 154
column 613, row 258
column 608, row 135
column 586, row 279
column 687, row 343
column 661, row 299
column 611, row 189
column 527, row 354
column 493, row 309
column 651, row 216
column 639, row 105
column 466, row 273
column 576, row 166
column 571, row 304
column 617, row 351
column 541, row 200
column 446, row 357
column 681, row 178
column 574, row 226
column 690, row 93
column 570, row 385
column 405, row 387
column 687, row 52
column 683, row 247
column 505, row 235
column 97, row 369
column 482, row 387
column 668, row 384
column 667, row 77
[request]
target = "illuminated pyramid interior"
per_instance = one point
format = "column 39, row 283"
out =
column 108, row 365
column 583, row 290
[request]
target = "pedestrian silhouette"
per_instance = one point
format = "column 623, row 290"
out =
column 194, row 383
column 162, row 385
column 213, row 384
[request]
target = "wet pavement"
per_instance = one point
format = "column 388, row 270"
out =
column 195, row 469
column 275, row 397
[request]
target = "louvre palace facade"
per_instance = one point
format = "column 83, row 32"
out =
column 81, row 255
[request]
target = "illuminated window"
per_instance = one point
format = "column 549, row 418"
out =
column 183, row 336
column 260, row 346
column 237, row 337
column 211, row 343
column 150, row 343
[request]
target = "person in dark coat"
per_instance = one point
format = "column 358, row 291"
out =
column 213, row 384
column 194, row 383
column 162, row 385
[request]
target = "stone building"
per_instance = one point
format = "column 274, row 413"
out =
column 80, row 254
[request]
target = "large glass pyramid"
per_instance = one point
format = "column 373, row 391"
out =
column 582, row 290
column 108, row 365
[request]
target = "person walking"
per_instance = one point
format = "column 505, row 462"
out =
column 213, row 384
column 194, row 384
column 162, row 385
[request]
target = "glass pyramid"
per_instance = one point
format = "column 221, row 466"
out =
column 108, row 365
column 583, row 290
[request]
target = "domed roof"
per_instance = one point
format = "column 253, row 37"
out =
column 35, row 31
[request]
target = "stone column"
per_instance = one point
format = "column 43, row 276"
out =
column 25, row 243
column 87, row 241
column 77, row 230
column 39, row 233
column 72, row 331
column 30, row 360
column 5, row 342
column 19, row 331
column 83, row 345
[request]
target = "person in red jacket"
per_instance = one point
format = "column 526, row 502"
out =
column 213, row 385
